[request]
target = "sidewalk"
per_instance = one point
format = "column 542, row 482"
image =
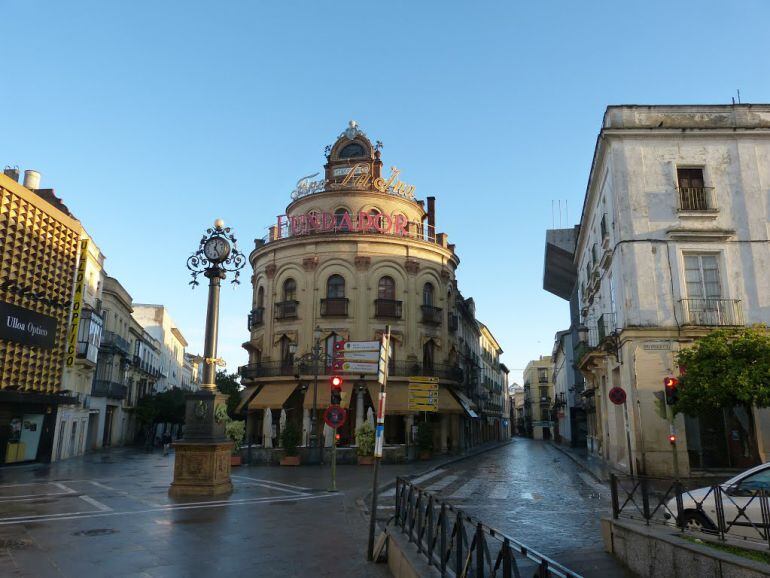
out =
column 591, row 464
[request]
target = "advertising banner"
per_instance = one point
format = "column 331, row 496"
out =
column 77, row 305
column 26, row 326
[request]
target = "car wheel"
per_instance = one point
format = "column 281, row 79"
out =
column 697, row 521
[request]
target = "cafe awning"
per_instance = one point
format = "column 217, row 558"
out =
column 324, row 393
column 466, row 404
column 246, row 396
column 272, row 395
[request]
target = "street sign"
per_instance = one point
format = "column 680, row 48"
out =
column 357, row 346
column 423, row 379
column 354, row 366
column 335, row 416
column 423, row 395
column 371, row 356
column 617, row 395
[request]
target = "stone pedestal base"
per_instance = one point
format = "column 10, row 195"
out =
column 201, row 469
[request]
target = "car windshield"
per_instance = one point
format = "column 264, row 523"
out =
column 756, row 481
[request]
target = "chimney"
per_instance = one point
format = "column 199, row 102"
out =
column 12, row 172
column 431, row 218
column 32, row 179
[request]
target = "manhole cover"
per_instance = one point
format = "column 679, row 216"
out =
column 95, row 532
column 14, row 544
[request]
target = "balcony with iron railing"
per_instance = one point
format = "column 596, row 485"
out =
column 107, row 388
column 696, row 199
column 115, row 341
column 395, row 369
column 256, row 317
column 286, row 309
column 334, row 307
column 712, row 312
column 431, row 315
column 388, row 308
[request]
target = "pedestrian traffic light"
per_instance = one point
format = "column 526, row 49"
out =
column 671, row 385
column 672, row 439
column 336, row 389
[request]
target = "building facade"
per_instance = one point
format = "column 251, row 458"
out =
column 355, row 252
column 39, row 256
column 538, row 398
column 673, row 242
column 157, row 321
column 493, row 387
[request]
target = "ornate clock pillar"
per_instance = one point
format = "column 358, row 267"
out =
column 202, row 461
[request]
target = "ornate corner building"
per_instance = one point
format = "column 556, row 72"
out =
column 356, row 251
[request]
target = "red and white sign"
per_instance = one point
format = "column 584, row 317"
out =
column 617, row 395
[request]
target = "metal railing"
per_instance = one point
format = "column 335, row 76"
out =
column 440, row 370
column 712, row 312
column 431, row 315
column 106, row 388
column 334, row 307
column 727, row 512
column 388, row 308
column 286, row 309
column 696, row 199
column 274, row 369
column 396, row 369
column 459, row 545
column 112, row 339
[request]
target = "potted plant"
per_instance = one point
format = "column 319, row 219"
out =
column 235, row 429
column 290, row 436
column 425, row 439
column 365, row 443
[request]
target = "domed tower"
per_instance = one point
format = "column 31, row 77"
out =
column 354, row 252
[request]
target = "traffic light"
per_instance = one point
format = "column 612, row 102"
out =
column 672, row 439
column 671, row 385
column 336, row 389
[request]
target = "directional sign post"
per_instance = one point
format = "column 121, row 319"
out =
column 379, row 440
column 423, row 393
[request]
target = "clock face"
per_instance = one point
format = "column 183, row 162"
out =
column 216, row 249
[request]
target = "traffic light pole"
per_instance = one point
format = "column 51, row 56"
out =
column 672, row 429
column 334, row 462
column 379, row 443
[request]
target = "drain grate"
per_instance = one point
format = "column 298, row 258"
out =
column 95, row 532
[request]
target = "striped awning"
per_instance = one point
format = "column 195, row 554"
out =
column 272, row 395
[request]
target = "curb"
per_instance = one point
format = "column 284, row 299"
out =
column 579, row 462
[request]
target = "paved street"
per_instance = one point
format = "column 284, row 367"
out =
column 534, row 493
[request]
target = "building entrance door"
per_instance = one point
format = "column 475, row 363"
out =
column 108, row 416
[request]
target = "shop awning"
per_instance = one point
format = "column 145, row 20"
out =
column 272, row 395
column 466, row 403
column 397, row 400
column 246, row 396
column 324, row 393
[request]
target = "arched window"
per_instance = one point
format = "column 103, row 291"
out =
column 386, row 289
column 428, row 354
column 352, row 150
column 377, row 220
column 290, row 290
column 260, row 297
column 427, row 294
column 335, row 287
column 287, row 356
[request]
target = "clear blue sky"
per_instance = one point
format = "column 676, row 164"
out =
column 153, row 118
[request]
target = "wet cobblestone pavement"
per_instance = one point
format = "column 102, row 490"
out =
column 533, row 493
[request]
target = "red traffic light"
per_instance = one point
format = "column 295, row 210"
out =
column 337, row 436
column 336, row 381
column 670, row 382
column 672, row 439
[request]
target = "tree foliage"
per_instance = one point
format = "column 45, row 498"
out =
column 724, row 369
column 228, row 384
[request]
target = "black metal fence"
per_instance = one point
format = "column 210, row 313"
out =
column 461, row 546
column 739, row 512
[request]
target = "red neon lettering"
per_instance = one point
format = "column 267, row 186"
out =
column 399, row 226
column 328, row 222
column 345, row 224
column 385, row 224
column 363, row 222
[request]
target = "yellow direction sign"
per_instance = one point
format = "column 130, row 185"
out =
column 423, row 387
column 422, row 379
column 423, row 395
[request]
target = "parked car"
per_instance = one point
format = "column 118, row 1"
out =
column 740, row 502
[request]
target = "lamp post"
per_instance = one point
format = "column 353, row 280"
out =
column 202, row 460
column 315, row 356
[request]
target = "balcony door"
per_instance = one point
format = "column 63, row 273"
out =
column 704, row 291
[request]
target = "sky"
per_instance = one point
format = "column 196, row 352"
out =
column 150, row 119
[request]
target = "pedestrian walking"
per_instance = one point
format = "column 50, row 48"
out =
column 166, row 443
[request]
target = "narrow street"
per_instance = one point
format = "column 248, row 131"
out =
column 534, row 493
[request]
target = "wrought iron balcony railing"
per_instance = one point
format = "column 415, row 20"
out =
column 712, row 312
column 440, row 370
column 273, row 369
column 256, row 317
column 107, row 388
column 696, row 199
column 388, row 308
column 112, row 339
column 431, row 315
column 286, row 309
column 334, row 307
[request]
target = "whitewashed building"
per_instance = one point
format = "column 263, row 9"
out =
column 158, row 322
column 673, row 241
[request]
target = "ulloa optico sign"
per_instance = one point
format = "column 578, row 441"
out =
column 26, row 327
